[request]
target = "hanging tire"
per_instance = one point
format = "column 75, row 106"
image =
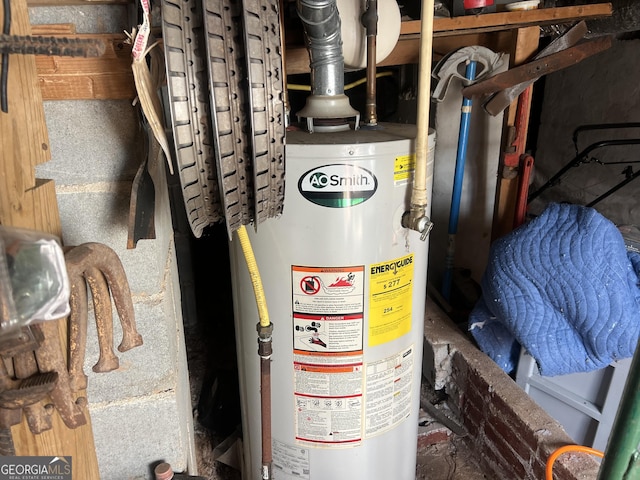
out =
column 265, row 72
column 228, row 105
column 187, row 87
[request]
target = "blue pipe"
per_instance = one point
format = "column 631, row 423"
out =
column 454, row 213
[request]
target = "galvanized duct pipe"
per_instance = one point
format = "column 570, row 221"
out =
column 321, row 23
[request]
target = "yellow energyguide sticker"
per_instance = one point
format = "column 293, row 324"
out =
column 390, row 299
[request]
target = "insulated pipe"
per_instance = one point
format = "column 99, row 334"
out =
column 417, row 218
column 265, row 329
column 369, row 20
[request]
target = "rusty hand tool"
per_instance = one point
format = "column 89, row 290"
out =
column 28, row 386
column 79, row 312
column 102, row 270
column 502, row 99
column 51, row 358
column 31, row 388
column 8, row 416
column 537, row 68
column 104, row 320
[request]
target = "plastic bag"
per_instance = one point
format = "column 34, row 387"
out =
column 34, row 285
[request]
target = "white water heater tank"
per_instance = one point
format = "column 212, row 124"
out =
column 345, row 287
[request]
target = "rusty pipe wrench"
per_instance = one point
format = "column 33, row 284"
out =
column 537, row 68
column 497, row 102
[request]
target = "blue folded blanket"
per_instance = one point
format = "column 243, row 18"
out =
column 564, row 287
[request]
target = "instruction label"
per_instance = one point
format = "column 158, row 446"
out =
column 388, row 392
column 390, row 299
column 328, row 337
column 290, row 460
column 403, row 167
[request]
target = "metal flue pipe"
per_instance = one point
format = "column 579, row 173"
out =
column 321, row 23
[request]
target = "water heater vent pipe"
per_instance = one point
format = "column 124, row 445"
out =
column 321, row 24
column 416, row 218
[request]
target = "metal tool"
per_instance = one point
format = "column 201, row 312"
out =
column 537, row 68
column 502, row 99
column 101, row 269
column 143, row 193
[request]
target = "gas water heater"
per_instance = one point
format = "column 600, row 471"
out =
column 345, row 285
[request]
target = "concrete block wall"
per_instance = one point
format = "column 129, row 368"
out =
column 142, row 412
column 510, row 435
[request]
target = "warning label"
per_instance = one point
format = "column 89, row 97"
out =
column 328, row 337
column 327, row 333
column 329, row 421
column 328, row 291
column 390, row 299
column 388, row 392
column 403, row 167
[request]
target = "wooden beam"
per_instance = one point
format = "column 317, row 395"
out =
column 29, row 203
column 110, row 76
column 493, row 30
column 491, row 22
column 78, row 78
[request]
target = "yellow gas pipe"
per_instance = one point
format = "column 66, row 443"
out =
column 265, row 329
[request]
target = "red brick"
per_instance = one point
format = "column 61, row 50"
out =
column 507, row 463
column 514, row 430
column 504, row 438
column 431, row 437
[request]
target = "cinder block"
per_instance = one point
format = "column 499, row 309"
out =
column 91, row 141
column 102, row 217
column 131, row 436
column 87, row 18
column 134, row 377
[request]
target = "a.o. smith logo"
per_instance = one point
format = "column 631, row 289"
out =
column 338, row 185
column 35, row 468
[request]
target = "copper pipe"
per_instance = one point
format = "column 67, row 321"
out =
column 369, row 20
column 265, row 400
column 371, row 116
column 265, row 351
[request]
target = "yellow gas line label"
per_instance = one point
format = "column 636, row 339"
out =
column 390, row 299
